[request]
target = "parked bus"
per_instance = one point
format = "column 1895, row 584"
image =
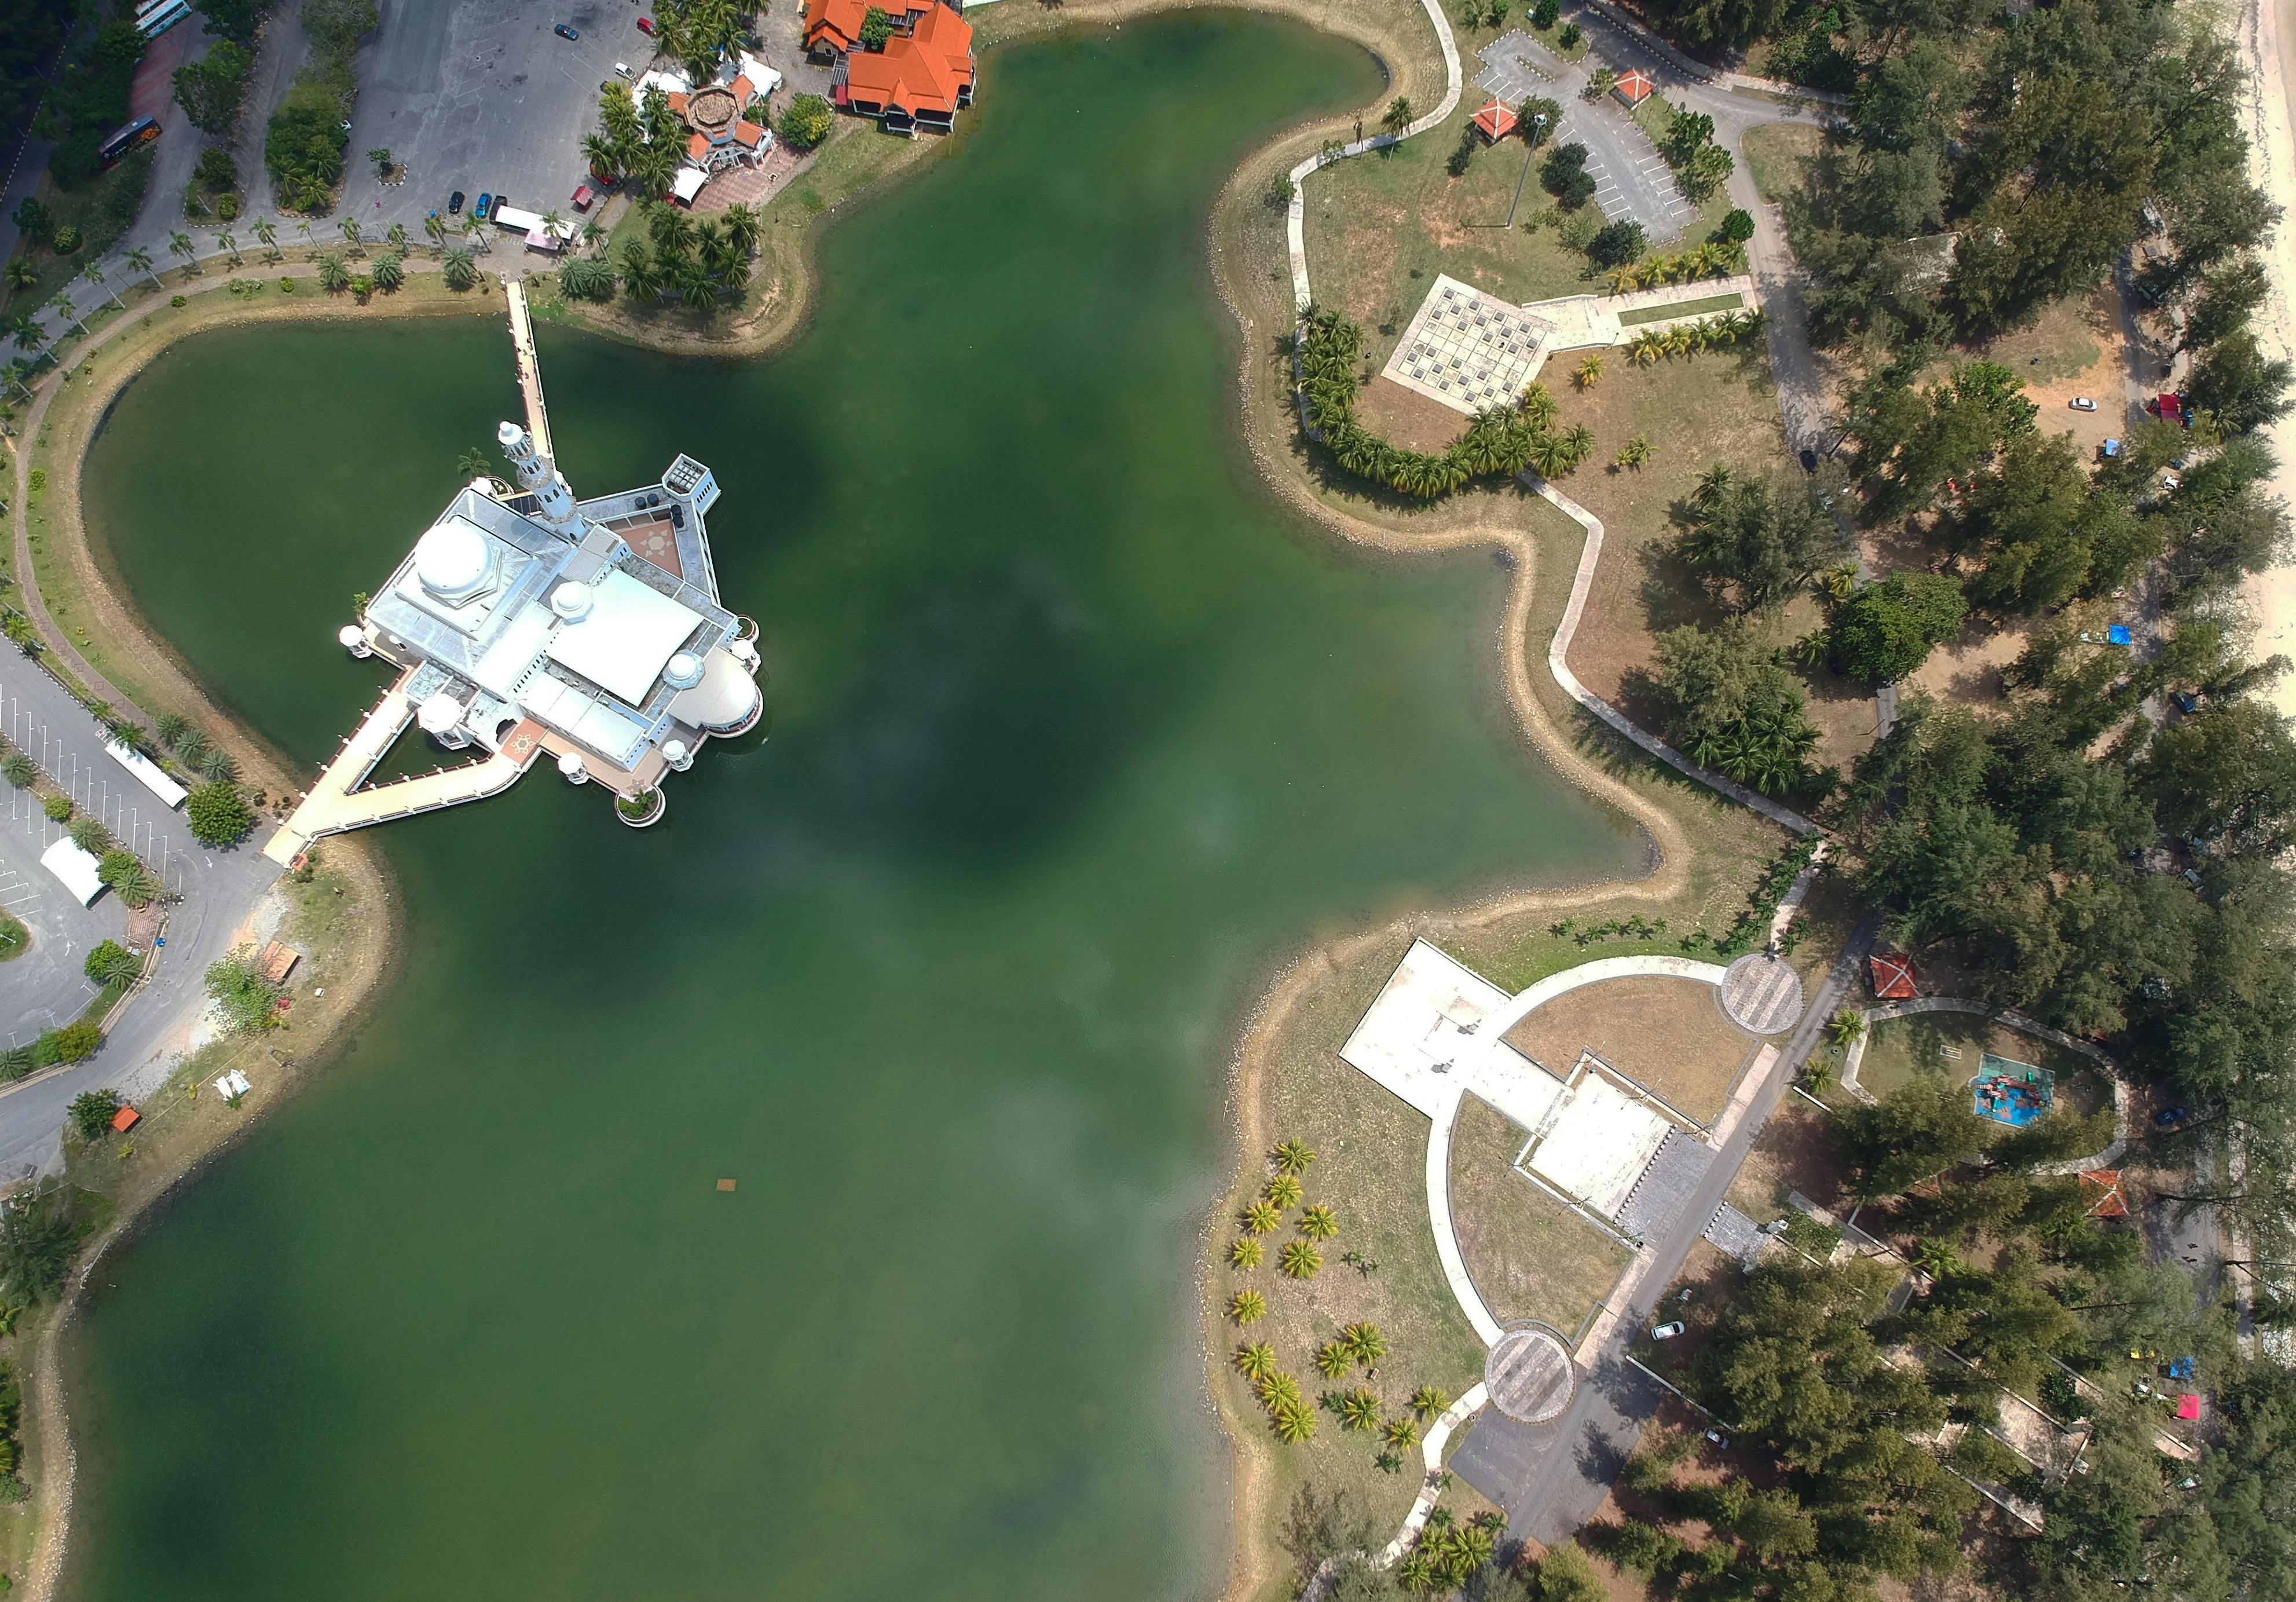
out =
column 149, row 9
column 140, row 132
column 163, row 18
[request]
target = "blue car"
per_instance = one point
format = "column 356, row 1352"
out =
column 2168, row 1118
column 484, row 209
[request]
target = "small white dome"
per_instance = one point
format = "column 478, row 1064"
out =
column 571, row 767
column 453, row 562
column 350, row 636
column 439, row 713
column 674, row 751
column 572, row 600
column 511, row 437
column 683, row 671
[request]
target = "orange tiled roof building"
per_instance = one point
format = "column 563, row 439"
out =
column 922, row 78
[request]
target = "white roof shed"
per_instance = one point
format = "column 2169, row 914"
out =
column 75, row 868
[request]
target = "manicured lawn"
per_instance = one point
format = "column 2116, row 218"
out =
column 1528, row 1254
column 1903, row 1048
column 1370, row 1167
column 1683, row 308
column 1774, row 154
column 1668, row 1034
column 1380, row 227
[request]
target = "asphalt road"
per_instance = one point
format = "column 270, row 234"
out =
column 1562, row 1471
column 218, row 891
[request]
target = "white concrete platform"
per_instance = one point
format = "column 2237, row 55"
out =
column 1467, row 350
column 1600, row 1140
column 1419, row 1039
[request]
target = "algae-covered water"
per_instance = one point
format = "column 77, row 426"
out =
column 1076, row 733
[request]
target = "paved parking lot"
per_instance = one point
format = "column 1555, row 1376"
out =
column 1631, row 179
column 482, row 95
column 46, row 987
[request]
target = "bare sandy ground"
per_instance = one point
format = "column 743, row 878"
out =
column 2265, row 113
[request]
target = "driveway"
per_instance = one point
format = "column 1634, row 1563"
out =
column 219, row 889
column 1632, row 181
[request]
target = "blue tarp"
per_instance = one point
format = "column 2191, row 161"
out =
column 2118, row 634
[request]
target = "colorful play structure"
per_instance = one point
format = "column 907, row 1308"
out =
column 2011, row 1092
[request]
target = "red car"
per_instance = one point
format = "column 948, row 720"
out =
column 645, row 26
column 583, row 195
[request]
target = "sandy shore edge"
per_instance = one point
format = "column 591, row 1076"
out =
column 2265, row 115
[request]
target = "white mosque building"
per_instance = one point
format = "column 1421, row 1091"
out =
column 527, row 624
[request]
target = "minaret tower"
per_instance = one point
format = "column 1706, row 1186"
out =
column 538, row 475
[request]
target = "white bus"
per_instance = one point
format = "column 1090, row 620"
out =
column 167, row 14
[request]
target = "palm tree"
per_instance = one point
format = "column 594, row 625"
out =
column 180, row 245
column 335, row 274
column 1245, row 1253
column 60, row 304
column 22, row 275
column 1291, row 1156
column 93, row 273
column 1255, row 1360
column 397, row 237
column 140, row 260
column 435, row 227
column 696, row 287
column 225, row 243
column 1332, row 1359
column 1399, row 115
column 592, row 236
column 218, row 767
column 1247, row 1307
column 1359, row 1411
column 1293, row 1423
column 1366, row 1342
column 554, row 226
column 1645, row 348
column 1590, row 369
column 18, row 371
column 1549, row 457
column 1712, row 484
column 457, row 269
column 1846, row 1027
column 1578, row 444
column 1937, row 1259
column 1276, row 1390
column 350, row 228
column 1417, row 1572
column 1427, row 1400
column 169, row 727
column 1634, row 452
column 598, row 151
column 388, row 272
column 263, row 228
column 26, row 331
column 741, row 227
column 1401, row 1432
column 1282, row 1191
column 1319, row 1223
column 1261, row 1217
column 1299, row 1261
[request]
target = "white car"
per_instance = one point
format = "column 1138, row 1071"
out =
column 2170, row 480
column 1666, row 1332
column 2082, row 403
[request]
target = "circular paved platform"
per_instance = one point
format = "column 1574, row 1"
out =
column 1529, row 1374
column 1761, row 994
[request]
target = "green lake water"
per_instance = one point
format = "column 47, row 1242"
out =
column 1076, row 733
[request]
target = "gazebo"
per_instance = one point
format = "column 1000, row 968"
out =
column 1892, row 974
column 1495, row 121
column 1633, row 86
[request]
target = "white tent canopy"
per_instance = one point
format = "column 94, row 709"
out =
column 75, row 868
column 148, row 773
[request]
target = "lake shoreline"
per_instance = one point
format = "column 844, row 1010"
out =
column 73, row 421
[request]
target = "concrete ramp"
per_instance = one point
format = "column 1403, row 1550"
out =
column 529, row 368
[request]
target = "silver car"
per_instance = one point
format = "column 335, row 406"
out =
column 2082, row 403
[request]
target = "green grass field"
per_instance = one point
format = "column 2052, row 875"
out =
column 1683, row 308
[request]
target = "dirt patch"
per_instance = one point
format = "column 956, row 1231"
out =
column 1529, row 1256
column 1670, row 1034
column 1794, row 1152
column 1967, row 671
column 1406, row 418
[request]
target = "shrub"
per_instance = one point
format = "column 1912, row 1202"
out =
column 109, row 961
column 211, row 89
column 178, row 301
column 57, row 808
column 226, row 207
column 75, row 1042
column 1546, row 14
column 1618, row 243
column 1569, row 37
column 65, row 240
column 1564, row 174
column 217, row 172
column 248, row 1002
column 218, row 814
column 805, row 124
column 1737, row 228
column 92, row 1112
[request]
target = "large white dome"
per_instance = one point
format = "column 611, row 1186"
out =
column 453, row 562
column 439, row 713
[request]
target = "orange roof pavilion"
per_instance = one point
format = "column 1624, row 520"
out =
column 1633, row 86
column 126, row 1119
column 1892, row 976
column 1495, row 121
column 2101, row 1189
column 836, row 24
column 927, row 74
